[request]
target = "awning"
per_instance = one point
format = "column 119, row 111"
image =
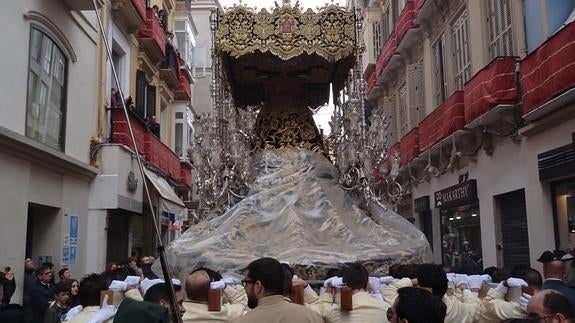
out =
column 170, row 203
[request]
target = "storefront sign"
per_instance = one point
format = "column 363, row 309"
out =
column 460, row 194
column 421, row 204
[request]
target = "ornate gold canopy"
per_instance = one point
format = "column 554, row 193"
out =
column 287, row 32
column 307, row 51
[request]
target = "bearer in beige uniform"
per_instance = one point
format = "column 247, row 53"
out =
column 366, row 307
column 197, row 287
column 264, row 287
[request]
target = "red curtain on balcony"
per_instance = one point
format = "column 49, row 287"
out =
column 140, row 6
column 371, row 81
column 387, row 50
column 493, row 85
column 121, row 132
column 409, row 146
column 186, row 174
column 153, row 29
column 549, row 70
column 418, row 5
column 406, row 20
column 442, row 122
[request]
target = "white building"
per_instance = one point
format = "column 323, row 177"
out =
column 48, row 118
column 481, row 107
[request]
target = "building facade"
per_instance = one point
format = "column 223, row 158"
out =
column 480, row 110
column 156, row 83
column 50, row 76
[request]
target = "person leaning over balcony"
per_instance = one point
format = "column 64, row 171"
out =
column 154, row 126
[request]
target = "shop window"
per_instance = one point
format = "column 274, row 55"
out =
column 461, row 239
column 564, row 198
column 46, row 98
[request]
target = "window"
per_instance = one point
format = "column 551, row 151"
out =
column 179, row 138
column 200, row 61
column 402, row 109
column 377, row 38
column 439, row 70
column 415, row 87
column 461, row 51
column 500, row 32
column 145, row 96
column 46, row 98
column 390, row 116
column 386, row 29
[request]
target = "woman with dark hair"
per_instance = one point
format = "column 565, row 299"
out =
column 74, row 289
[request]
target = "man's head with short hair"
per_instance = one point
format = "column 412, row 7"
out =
column 64, row 273
column 355, row 275
column 90, row 288
column 198, row 285
column 265, row 277
column 416, row 305
column 550, row 304
column 44, row 273
column 28, row 264
column 432, row 276
column 159, row 294
column 531, row 276
column 288, row 275
column 62, row 293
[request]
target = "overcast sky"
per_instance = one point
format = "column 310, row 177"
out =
column 323, row 116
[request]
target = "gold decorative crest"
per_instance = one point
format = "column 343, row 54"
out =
column 287, row 32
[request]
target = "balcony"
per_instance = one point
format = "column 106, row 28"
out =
column 153, row 37
column 121, row 132
column 442, row 122
column 186, row 174
column 132, row 13
column 407, row 29
column 170, row 67
column 548, row 74
column 424, row 10
column 388, row 58
column 409, row 146
column 489, row 92
column 184, row 89
column 155, row 152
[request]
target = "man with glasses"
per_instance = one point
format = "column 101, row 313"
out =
column 549, row 306
column 264, row 288
column 42, row 293
column 416, row 305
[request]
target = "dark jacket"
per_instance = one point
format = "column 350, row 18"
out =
column 9, row 288
column 40, row 299
column 29, row 284
column 55, row 314
column 563, row 288
column 131, row 311
column 14, row 313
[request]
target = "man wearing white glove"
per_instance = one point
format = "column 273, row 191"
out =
column 494, row 308
column 366, row 308
column 89, row 295
column 198, row 284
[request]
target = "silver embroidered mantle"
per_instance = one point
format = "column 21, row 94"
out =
column 297, row 212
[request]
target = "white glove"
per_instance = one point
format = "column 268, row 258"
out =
column 475, row 281
column 231, row 280
column 133, row 280
column 105, row 312
column 460, row 279
column 486, row 278
column 375, row 284
column 516, row 282
column 118, row 286
column 294, row 278
column 524, row 300
column 386, row 280
column 220, row 284
column 73, row 312
column 333, row 281
column 501, row 288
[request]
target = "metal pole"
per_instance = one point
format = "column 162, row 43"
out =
column 175, row 310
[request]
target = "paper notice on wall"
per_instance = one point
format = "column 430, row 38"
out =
column 73, row 252
column 65, row 254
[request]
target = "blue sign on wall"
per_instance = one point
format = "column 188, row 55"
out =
column 74, row 229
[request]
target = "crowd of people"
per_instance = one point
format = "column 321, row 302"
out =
column 270, row 292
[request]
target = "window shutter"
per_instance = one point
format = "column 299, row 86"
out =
column 461, row 51
column 500, row 31
column 141, row 86
column 391, row 117
column 415, row 88
column 151, row 101
column 402, row 110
